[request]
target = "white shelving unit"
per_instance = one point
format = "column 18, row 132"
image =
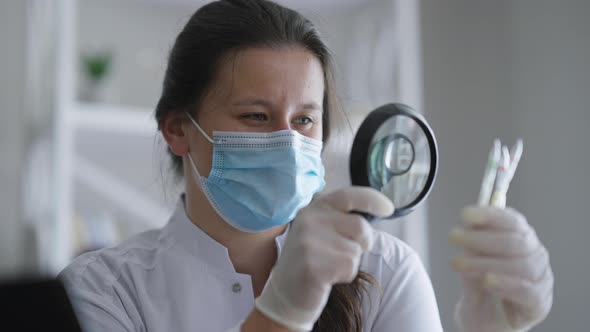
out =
column 80, row 128
column 78, row 173
column 60, row 239
column 113, row 118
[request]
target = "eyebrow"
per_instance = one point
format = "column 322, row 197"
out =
column 267, row 104
column 312, row 106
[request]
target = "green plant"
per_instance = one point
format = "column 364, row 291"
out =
column 97, row 65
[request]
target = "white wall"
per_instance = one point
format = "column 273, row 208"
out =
column 12, row 71
column 551, row 82
column 507, row 69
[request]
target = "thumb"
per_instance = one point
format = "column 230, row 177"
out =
column 360, row 199
column 472, row 286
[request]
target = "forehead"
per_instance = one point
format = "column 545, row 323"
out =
column 287, row 72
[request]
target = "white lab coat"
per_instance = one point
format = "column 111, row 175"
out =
column 179, row 279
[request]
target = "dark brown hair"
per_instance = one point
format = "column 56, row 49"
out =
column 226, row 26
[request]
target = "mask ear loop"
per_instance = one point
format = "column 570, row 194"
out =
column 199, row 178
column 193, row 165
column 200, row 129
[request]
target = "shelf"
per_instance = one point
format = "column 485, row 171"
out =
column 109, row 120
column 113, row 118
column 132, row 200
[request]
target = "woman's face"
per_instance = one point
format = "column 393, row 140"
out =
column 261, row 90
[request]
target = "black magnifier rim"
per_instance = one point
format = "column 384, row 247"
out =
column 360, row 150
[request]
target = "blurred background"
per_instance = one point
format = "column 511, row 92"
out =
column 82, row 166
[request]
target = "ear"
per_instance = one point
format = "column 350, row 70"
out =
column 173, row 131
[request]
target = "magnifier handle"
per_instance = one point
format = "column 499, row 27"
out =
column 365, row 215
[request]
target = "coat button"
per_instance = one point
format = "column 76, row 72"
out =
column 236, row 288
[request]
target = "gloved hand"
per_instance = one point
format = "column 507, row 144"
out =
column 507, row 278
column 324, row 247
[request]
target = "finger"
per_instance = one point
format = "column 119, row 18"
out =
column 495, row 218
column 341, row 244
column 472, row 285
column 332, row 225
column 355, row 228
column 338, row 266
column 348, row 262
column 348, row 268
column 525, row 293
column 531, row 267
column 494, row 243
column 362, row 199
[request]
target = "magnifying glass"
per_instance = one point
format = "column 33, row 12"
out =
column 395, row 152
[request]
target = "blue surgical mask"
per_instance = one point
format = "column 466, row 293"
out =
column 260, row 180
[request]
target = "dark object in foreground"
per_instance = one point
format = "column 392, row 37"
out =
column 36, row 304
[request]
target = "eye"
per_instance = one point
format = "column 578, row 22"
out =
column 255, row 116
column 304, row 120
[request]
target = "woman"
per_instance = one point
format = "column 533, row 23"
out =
column 247, row 103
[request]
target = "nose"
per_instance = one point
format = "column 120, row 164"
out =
column 283, row 123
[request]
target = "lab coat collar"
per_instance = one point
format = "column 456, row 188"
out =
column 198, row 243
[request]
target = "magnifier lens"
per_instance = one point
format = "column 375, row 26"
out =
column 399, row 155
column 391, row 156
column 398, row 151
column 399, row 160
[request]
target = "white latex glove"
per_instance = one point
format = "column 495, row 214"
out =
column 507, row 278
column 324, row 247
